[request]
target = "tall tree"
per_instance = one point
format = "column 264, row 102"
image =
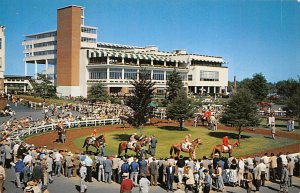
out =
column 259, row 87
column 287, row 88
column 241, row 111
column 174, row 84
column 43, row 87
column 139, row 101
column 98, row 93
column 293, row 104
column 179, row 108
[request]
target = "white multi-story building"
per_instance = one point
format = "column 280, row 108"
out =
column 80, row 61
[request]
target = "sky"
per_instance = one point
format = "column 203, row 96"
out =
column 251, row 36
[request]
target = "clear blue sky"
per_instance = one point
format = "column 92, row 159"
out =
column 252, row 36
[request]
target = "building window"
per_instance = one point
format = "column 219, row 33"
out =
column 130, row 74
column 100, row 74
column 0, row 43
column 158, row 75
column 115, row 73
column 183, row 76
column 209, row 75
column 89, row 40
column 47, row 52
column 190, row 77
column 51, row 43
column 88, row 30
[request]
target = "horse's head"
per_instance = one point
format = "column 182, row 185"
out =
column 197, row 141
column 236, row 143
column 101, row 138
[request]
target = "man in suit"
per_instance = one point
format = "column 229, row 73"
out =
column 153, row 172
column 143, row 166
column 170, row 170
column 153, row 143
column 107, row 165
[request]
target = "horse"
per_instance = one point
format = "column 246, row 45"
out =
column 220, row 148
column 123, row 146
column 96, row 143
column 178, row 148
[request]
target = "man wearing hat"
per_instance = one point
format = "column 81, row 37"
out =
column 83, row 173
column 207, row 182
column 127, row 184
column 144, row 184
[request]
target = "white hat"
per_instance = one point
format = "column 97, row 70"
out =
column 125, row 174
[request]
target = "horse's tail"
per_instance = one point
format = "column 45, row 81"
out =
column 171, row 150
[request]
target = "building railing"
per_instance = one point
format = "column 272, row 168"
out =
column 68, row 125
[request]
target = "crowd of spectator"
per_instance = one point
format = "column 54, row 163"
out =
column 35, row 167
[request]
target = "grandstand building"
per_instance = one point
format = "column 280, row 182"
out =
column 79, row 60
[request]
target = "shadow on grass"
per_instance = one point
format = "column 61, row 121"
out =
column 172, row 128
column 121, row 137
column 230, row 135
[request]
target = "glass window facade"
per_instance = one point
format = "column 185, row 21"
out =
column 209, row 75
column 115, row 73
column 130, row 74
column 158, row 75
column 99, row 74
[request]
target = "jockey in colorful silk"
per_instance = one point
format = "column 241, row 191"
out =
column 186, row 144
column 132, row 140
column 94, row 135
column 226, row 143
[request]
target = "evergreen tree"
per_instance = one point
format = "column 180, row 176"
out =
column 179, row 108
column 293, row 104
column 98, row 93
column 139, row 101
column 43, row 87
column 241, row 111
column 174, row 84
column 259, row 87
column 287, row 88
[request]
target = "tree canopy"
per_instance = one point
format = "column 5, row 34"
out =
column 241, row 110
column 98, row 93
column 43, row 87
column 293, row 104
column 179, row 108
column 259, row 87
column 287, row 88
column 174, row 84
column 141, row 98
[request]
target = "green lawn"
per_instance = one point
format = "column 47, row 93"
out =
column 250, row 144
column 281, row 125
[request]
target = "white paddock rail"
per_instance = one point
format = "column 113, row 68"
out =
column 45, row 128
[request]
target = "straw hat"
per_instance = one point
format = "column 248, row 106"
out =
column 125, row 174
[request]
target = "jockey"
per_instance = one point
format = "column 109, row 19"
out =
column 132, row 140
column 186, row 144
column 94, row 134
column 226, row 143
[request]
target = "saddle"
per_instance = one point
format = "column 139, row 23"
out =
column 226, row 147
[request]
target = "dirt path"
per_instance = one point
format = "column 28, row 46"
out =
column 49, row 138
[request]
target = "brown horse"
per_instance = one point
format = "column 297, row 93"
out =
column 220, row 149
column 178, row 148
column 96, row 143
column 138, row 146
